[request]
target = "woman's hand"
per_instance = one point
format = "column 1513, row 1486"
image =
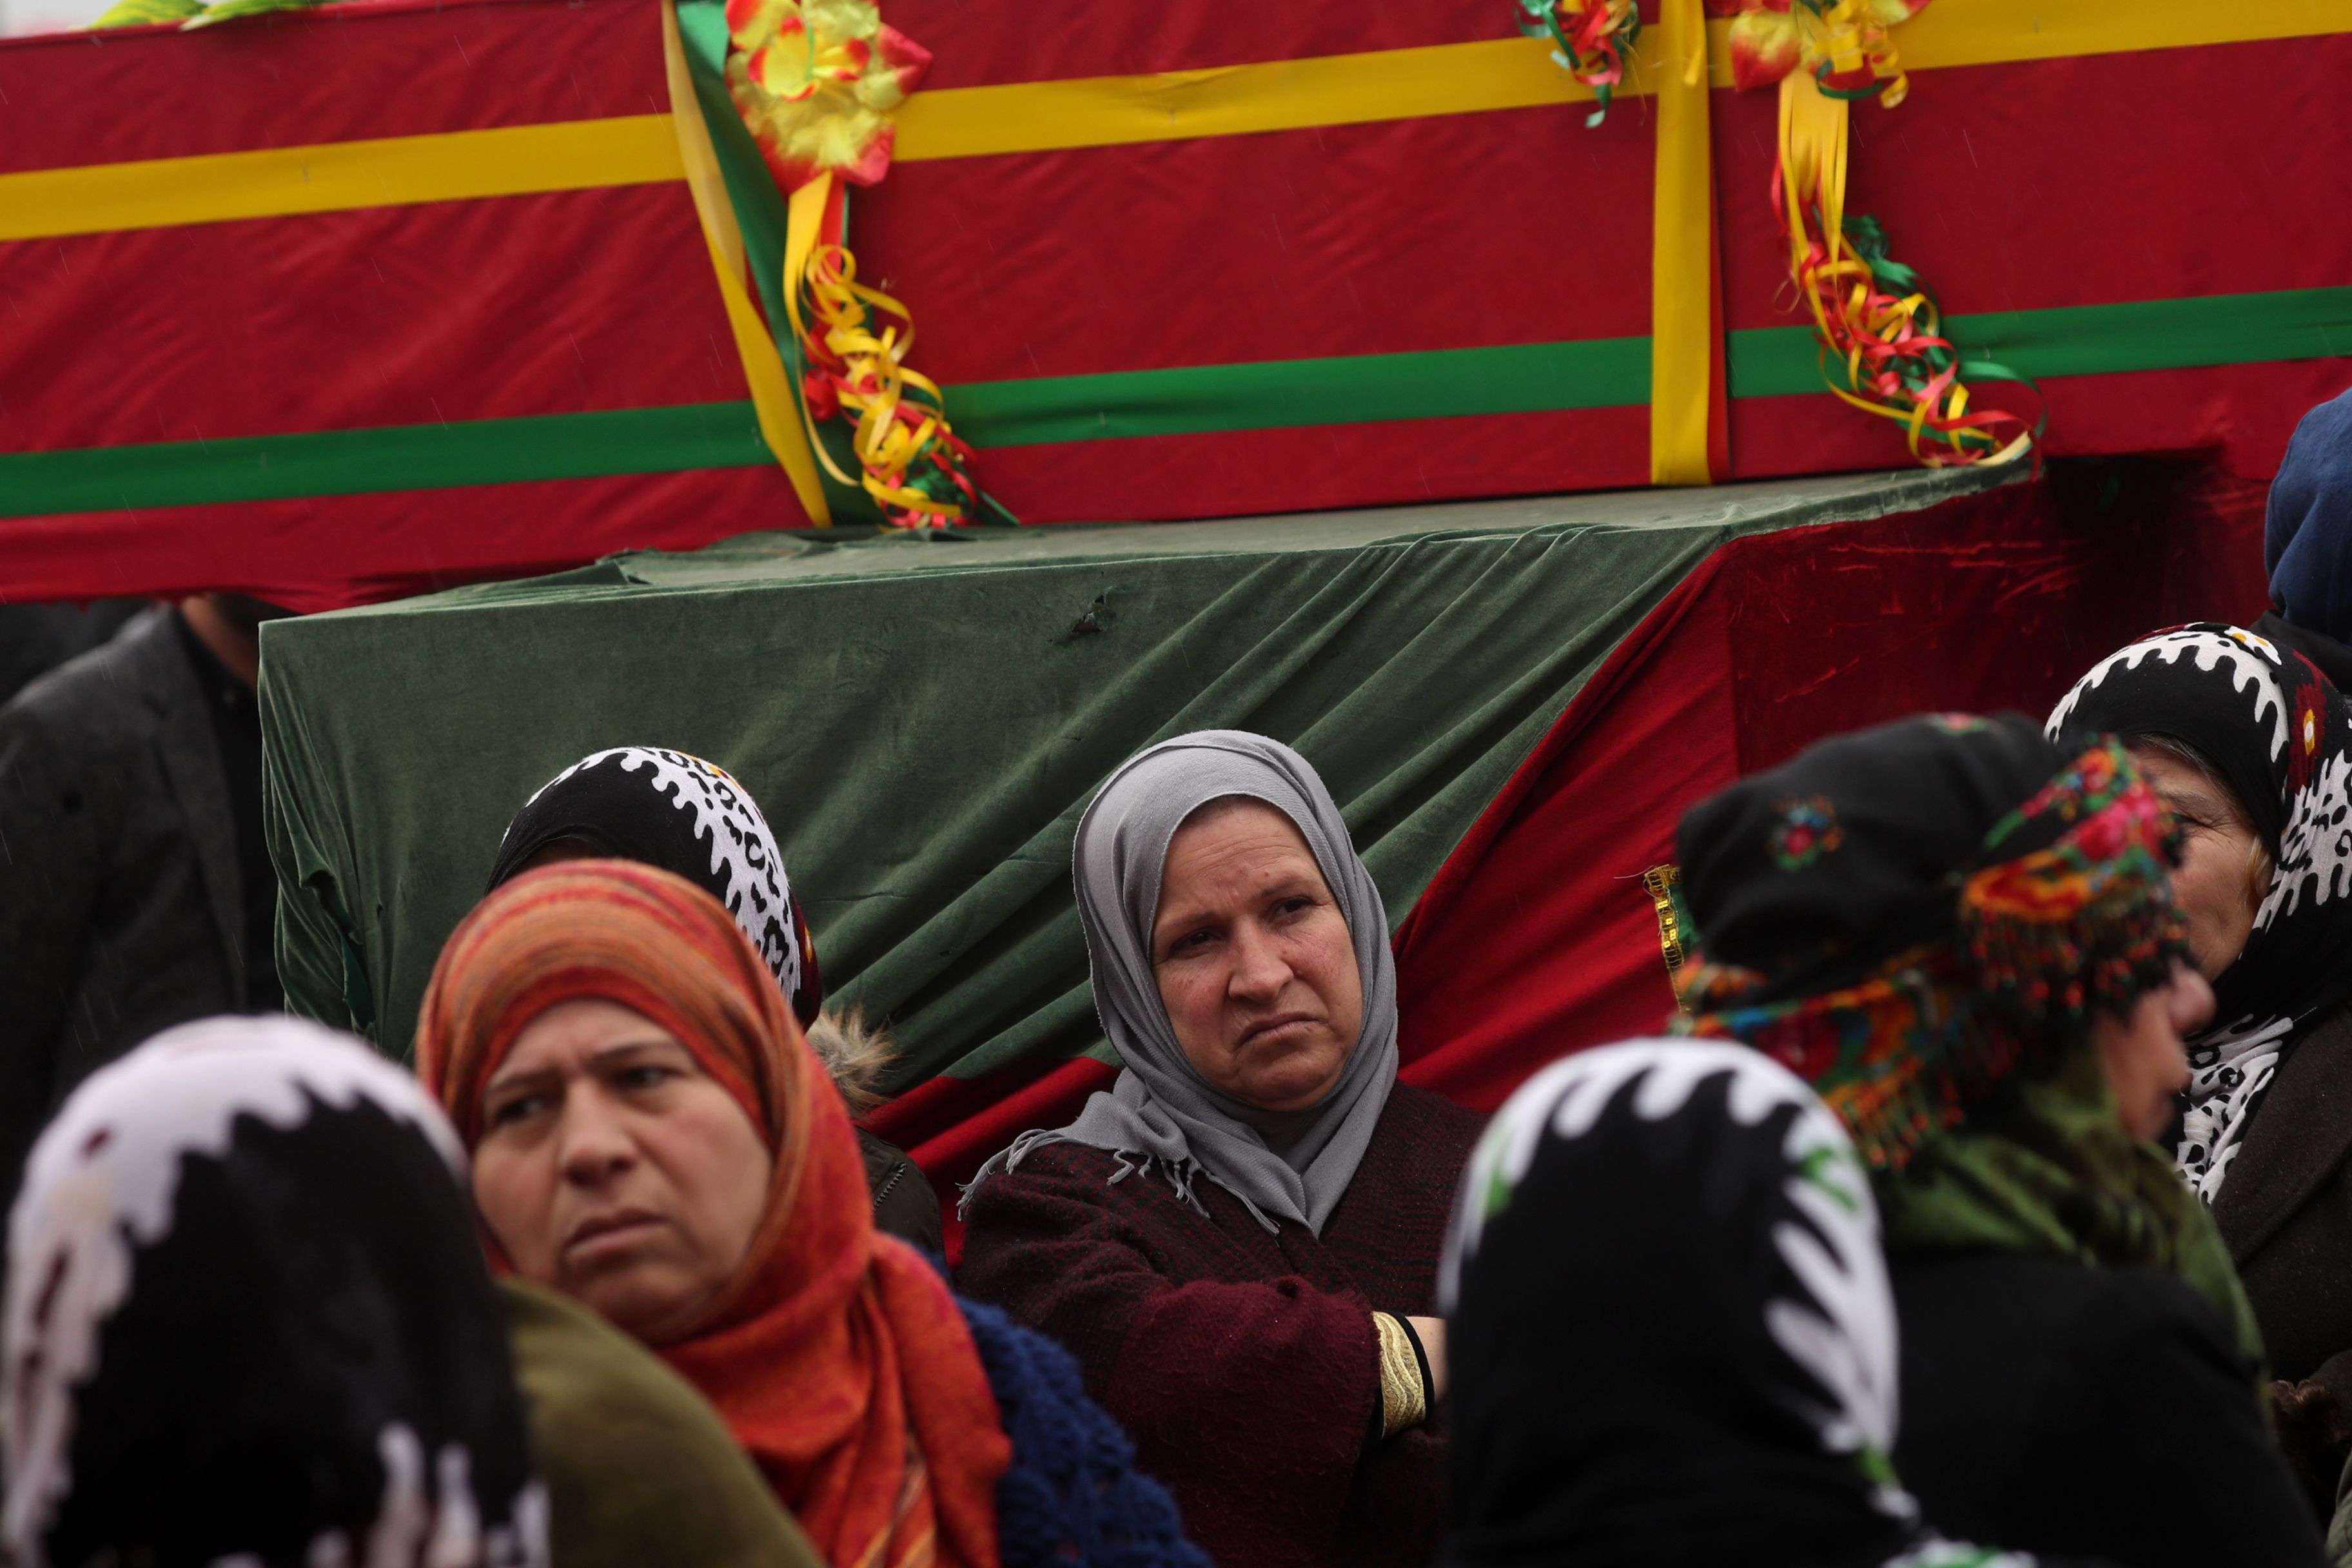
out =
column 1432, row 1345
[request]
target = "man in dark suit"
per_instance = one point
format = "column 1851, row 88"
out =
column 135, row 890
column 36, row 638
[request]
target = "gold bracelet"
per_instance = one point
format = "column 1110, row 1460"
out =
column 1403, row 1401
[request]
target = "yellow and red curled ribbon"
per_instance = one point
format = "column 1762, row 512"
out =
column 1882, row 348
column 1882, row 345
column 817, row 81
column 853, row 342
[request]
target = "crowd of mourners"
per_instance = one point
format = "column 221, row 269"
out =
column 1985, row 1200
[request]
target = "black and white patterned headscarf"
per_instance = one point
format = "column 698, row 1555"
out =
column 247, row 1322
column 1670, row 1326
column 2280, row 736
column 691, row 818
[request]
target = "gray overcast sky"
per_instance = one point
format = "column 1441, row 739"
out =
column 46, row 15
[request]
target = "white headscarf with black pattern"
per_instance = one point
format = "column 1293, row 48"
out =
column 247, row 1321
column 690, row 818
column 2279, row 735
column 1670, row 1325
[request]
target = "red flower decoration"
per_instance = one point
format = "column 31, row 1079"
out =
column 2307, row 725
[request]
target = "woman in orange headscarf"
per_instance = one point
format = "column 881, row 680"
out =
column 651, row 1133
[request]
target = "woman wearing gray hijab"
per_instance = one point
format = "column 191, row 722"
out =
column 1240, row 1239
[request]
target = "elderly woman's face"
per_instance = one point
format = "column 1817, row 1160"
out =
column 2218, row 883
column 1254, row 960
column 614, row 1169
column 2144, row 1055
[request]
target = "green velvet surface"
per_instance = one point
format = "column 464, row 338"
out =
column 923, row 720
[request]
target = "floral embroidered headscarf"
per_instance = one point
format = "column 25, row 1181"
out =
column 1924, row 922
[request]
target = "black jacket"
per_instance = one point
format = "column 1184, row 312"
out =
column 120, row 891
column 2286, row 1210
column 904, row 1205
column 2054, row 1409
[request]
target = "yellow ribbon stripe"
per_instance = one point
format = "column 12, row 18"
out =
column 1027, row 117
column 2002, row 32
column 337, row 176
column 1682, row 254
column 1519, row 73
column 1236, row 100
column 774, row 401
column 804, row 220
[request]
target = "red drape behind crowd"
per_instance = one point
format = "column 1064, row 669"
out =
column 1537, row 938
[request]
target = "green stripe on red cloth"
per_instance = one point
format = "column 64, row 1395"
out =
column 2146, row 335
column 2156, row 334
column 310, row 555
column 398, row 457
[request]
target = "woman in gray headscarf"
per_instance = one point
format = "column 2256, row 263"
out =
column 1240, row 1239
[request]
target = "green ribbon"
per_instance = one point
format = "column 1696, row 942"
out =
column 762, row 218
column 1603, row 373
column 400, row 457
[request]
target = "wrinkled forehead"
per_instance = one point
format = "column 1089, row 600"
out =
column 2181, row 777
column 1132, row 825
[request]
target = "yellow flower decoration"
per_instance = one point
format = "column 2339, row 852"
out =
column 816, row 80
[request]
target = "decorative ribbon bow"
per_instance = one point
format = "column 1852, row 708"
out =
column 1842, row 44
column 1882, row 348
column 817, row 80
column 1590, row 40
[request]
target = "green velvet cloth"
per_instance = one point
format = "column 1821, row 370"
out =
column 923, row 720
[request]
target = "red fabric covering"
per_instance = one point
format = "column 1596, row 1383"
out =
column 2049, row 182
column 561, row 303
column 551, row 303
column 1332, row 241
column 1536, row 939
column 1338, row 240
column 369, row 68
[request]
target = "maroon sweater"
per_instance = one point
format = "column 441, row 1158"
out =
column 1243, row 1364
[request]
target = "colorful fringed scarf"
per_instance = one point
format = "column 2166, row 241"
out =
column 2018, row 908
